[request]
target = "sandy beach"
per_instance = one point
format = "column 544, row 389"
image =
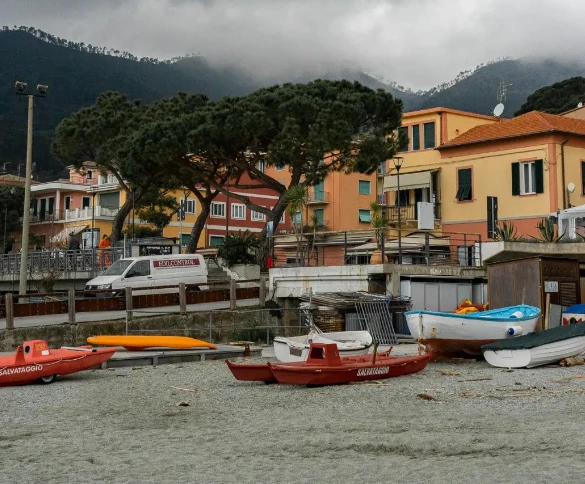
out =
column 123, row 426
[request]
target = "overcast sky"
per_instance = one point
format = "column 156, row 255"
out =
column 417, row 43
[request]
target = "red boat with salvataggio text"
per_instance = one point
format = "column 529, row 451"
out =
column 35, row 361
column 324, row 366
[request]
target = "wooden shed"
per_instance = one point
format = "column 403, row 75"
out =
column 530, row 280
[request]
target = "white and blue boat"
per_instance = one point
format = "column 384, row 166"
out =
column 537, row 349
column 449, row 333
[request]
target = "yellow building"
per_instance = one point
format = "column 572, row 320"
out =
column 421, row 174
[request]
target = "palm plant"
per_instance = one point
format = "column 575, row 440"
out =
column 379, row 223
column 240, row 248
column 506, row 232
column 547, row 230
column 296, row 200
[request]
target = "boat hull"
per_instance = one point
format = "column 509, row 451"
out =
column 296, row 349
column 445, row 333
column 319, row 375
column 251, row 372
column 538, row 356
column 142, row 342
column 20, row 370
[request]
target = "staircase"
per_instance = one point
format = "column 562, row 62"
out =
column 216, row 275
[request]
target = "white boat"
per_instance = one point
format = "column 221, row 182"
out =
column 296, row 348
column 537, row 349
column 449, row 333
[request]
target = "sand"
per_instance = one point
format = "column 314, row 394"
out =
column 123, row 425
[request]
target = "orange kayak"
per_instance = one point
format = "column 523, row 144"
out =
column 142, row 342
column 34, row 361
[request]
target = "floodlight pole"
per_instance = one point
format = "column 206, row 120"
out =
column 398, row 164
column 26, row 212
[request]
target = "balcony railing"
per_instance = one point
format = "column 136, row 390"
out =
column 409, row 212
column 74, row 214
column 317, row 197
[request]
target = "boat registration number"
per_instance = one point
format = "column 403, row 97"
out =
column 381, row 370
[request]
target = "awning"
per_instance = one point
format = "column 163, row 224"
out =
column 408, row 181
column 63, row 236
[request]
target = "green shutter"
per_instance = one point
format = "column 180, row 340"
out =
column 429, row 134
column 464, row 188
column 539, row 182
column 583, row 177
column 516, row 178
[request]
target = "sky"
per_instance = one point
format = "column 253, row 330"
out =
column 417, row 43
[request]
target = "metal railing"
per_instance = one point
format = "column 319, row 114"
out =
column 84, row 213
column 317, row 197
column 409, row 212
column 86, row 260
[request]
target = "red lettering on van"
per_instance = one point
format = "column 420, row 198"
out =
column 170, row 263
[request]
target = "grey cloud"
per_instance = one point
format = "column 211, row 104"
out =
column 418, row 43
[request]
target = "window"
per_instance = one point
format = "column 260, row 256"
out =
column 279, row 166
column 67, row 203
column 583, row 177
column 261, row 166
column 283, row 218
column 297, row 218
column 416, row 137
column 318, row 216
column 218, row 209
column 238, row 211
column 140, row 269
column 365, row 187
column 429, row 134
column 216, row 240
column 258, row 216
column 403, row 137
column 51, row 209
column 89, row 174
column 527, row 177
column 382, row 168
column 365, row 216
column 403, row 196
column 189, row 205
column 464, row 188
column 85, row 202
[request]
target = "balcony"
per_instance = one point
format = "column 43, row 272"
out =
column 318, row 197
column 409, row 213
column 74, row 214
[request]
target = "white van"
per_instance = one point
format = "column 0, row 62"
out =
column 158, row 270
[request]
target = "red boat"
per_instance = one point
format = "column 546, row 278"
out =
column 324, row 366
column 34, row 361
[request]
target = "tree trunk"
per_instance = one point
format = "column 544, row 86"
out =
column 199, row 224
column 119, row 220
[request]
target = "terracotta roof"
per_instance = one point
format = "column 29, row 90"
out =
column 439, row 110
column 528, row 124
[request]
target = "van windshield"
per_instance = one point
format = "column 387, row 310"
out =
column 118, row 267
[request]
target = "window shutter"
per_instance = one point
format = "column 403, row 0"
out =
column 539, row 182
column 583, row 177
column 516, row 178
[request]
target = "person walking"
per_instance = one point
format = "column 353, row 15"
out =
column 73, row 248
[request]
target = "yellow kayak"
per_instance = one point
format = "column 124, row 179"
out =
column 142, row 342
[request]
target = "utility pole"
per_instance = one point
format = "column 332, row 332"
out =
column 42, row 90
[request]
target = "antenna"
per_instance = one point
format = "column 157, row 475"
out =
column 580, row 105
column 571, row 187
column 501, row 96
column 498, row 110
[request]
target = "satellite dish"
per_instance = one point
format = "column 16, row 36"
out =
column 580, row 105
column 571, row 187
column 498, row 110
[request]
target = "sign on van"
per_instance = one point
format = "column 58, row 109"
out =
column 171, row 263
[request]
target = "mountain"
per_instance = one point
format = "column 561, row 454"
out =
column 477, row 92
column 77, row 73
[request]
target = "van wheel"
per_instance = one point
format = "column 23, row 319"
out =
column 46, row 380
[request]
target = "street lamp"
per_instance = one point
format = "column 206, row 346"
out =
column 21, row 89
column 398, row 164
column 92, row 191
